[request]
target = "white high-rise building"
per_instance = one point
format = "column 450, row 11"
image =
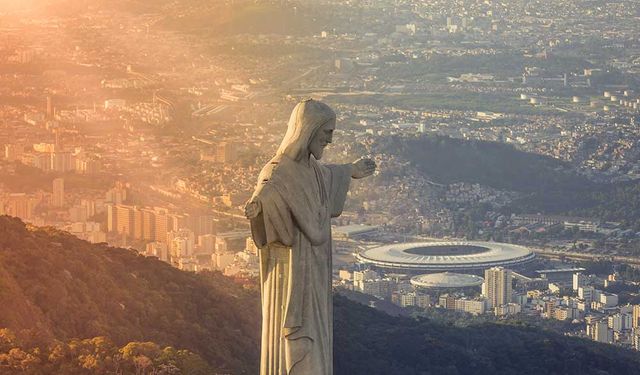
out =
column 619, row 322
column 180, row 247
column 222, row 260
column 579, row 280
column 472, row 306
column 207, row 243
column 58, row 192
column 111, row 217
column 497, row 286
column 507, row 309
column 158, row 249
column 365, row 275
column 411, row 299
column 608, row 299
column 182, row 242
column 602, row 332
column 586, row 293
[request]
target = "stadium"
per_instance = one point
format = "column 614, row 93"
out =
column 446, row 280
column 421, row 257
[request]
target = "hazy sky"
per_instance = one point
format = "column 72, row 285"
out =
column 8, row 5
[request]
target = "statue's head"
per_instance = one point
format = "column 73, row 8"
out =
column 309, row 131
column 322, row 137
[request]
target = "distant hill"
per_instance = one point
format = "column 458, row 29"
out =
column 70, row 307
column 547, row 185
column 447, row 160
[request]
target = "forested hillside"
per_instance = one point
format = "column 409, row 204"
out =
column 55, row 286
column 70, row 307
column 370, row 342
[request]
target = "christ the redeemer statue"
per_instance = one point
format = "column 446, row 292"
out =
column 290, row 214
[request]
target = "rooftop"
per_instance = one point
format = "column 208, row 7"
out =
column 446, row 280
column 446, row 256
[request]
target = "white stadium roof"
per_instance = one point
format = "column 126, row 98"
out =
column 446, row 280
column 445, row 256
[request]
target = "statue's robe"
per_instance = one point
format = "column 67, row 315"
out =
column 293, row 232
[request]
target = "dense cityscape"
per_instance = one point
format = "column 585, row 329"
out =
column 145, row 126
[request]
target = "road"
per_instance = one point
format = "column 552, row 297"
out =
column 584, row 256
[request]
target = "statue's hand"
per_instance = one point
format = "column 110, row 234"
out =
column 363, row 168
column 252, row 209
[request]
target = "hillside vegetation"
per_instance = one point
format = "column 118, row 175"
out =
column 55, row 286
column 70, row 307
column 370, row 342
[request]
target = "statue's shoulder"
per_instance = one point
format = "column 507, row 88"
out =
column 274, row 167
